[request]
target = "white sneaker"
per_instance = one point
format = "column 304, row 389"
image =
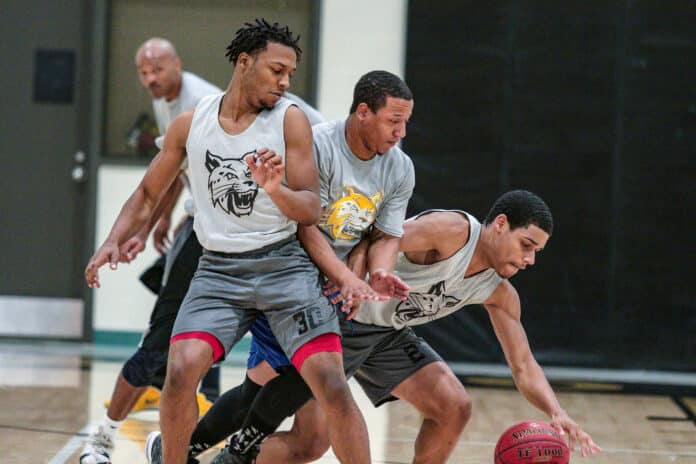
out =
column 98, row 448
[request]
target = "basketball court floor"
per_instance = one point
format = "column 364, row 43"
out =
column 50, row 393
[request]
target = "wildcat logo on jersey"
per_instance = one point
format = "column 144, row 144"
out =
column 425, row 305
column 230, row 184
column 351, row 215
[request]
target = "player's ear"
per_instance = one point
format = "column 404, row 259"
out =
column 500, row 221
column 244, row 60
column 362, row 111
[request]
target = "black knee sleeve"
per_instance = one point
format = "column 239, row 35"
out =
column 141, row 368
column 278, row 399
column 224, row 418
column 281, row 397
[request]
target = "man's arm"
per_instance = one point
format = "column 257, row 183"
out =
column 357, row 258
column 139, row 207
column 382, row 252
column 299, row 201
column 381, row 257
column 503, row 308
column 436, row 236
column 323, row 255
column 161, row 216
column 353, row 289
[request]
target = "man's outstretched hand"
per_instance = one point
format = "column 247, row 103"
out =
column 562, row 422
column 389, row 284
column 107, row 253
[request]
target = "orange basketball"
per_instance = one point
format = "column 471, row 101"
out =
column 531, row 442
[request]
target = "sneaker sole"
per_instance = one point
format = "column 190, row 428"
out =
column 87, row 455
column 148, row 445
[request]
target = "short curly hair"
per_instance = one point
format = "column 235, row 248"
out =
column 522, row 208
column 254, row 38
column 374, row 87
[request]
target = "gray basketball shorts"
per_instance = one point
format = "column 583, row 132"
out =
column 229, row 290
column 380, row 358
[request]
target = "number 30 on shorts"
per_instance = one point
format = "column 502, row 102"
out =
column 308, row 319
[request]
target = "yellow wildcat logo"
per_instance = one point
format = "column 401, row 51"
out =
column 350, row 216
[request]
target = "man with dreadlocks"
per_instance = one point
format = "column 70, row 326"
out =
column 253, row 179
column 173, row 91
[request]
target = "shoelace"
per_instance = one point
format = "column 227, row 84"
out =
column 101, row 443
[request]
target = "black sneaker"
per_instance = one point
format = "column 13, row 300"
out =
column 153, row 449
column 228, row 455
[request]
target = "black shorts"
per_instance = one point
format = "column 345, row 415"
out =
column 380, row 358
column 182, row 262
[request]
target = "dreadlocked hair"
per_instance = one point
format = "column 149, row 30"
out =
column 253, row 38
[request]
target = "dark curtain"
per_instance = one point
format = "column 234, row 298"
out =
column 592, row 105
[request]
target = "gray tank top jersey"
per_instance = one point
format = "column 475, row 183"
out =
column 437, row 290
column 356, row 194
column 233, row 214
column 193, row 88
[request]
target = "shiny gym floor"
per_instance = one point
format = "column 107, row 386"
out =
column 50, row 394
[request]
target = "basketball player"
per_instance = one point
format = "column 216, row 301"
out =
column 173, row 91
column 449, row 260
column 366, row 182
column 253, row 179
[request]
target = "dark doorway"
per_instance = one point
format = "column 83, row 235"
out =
column 44, row 129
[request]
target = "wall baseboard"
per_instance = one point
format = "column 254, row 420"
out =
column 23, row 316
column 126, row 338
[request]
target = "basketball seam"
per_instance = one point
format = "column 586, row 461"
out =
column 522, row 443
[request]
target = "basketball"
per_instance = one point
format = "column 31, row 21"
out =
column 531, row 442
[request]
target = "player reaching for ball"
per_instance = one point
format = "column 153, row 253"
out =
column 449, row 260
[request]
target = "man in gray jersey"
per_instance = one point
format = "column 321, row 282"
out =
column 253, row 180
column 449, row 260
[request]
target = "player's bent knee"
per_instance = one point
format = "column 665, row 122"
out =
column 336, row 391
column 456, row 409
column 320, row 445
column 316, row 447
column 141, row 368
column 184, row 371
column 462, row 410
column 451, row 405
column 309, row 444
